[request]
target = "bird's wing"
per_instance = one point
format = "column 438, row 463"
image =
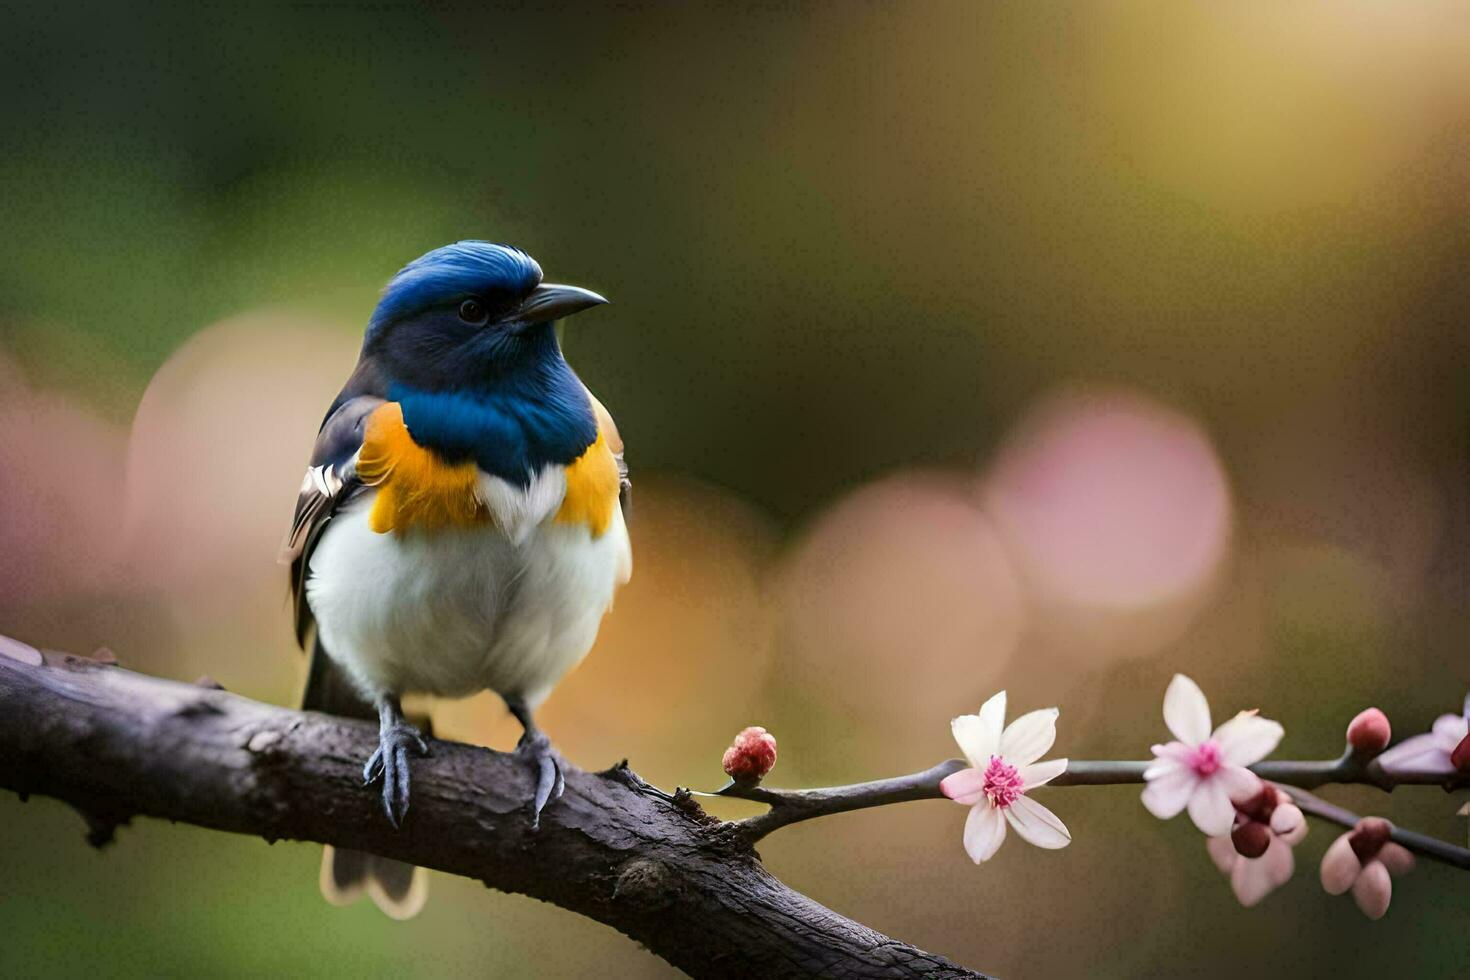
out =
column 609, row 430
column 331, row 480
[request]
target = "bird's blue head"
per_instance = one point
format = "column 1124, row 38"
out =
column 467, row 316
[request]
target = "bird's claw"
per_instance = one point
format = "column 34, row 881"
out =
column 389, row 762
column 550, row 783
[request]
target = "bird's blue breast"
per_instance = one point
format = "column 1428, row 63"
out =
column 511, row 431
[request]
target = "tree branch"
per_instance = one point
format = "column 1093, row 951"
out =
column 788, row 806
column 116, row 744
column 1422, row 844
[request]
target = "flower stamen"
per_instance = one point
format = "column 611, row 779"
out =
column 1002, row 783
column 1204, row 758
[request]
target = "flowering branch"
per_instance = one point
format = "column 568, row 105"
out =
column 789, row 806
column 1252, row 812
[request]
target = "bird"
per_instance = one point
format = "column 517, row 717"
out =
column 460, row 526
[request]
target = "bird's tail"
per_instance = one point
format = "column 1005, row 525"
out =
column 399, row 889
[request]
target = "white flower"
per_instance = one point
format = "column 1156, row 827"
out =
column 1203, row 771
column 1004, row 769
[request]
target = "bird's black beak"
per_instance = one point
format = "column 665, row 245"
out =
column 548, row 302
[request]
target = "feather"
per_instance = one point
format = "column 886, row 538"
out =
column 331, row 480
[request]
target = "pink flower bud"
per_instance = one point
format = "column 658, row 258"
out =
column 751, row 756
column 1369, row 732
column 1460, row 757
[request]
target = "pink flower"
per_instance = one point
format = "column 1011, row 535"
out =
column 1004, row 769
column 1203, row 771
column 751, row 757
column 1434, row 751
column 1362, row 860
column 1257, row 855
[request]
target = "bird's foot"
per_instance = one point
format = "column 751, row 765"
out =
column 550, row 784
column 390, row 764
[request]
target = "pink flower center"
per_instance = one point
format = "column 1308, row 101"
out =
column 1002, row 782
column 1204, row 758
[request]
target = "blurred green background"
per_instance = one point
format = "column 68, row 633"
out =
column 957, row 347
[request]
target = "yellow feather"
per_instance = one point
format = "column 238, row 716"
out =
column 592, row 488
column 415, row 487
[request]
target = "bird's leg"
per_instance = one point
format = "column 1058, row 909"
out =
column 390, row 762
column 535, row 746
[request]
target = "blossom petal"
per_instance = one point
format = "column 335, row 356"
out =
column 1029, row 737
column 1420, row 752
column 1037, row 824
column 1210, row 808
column 1289, row 823
column 1449, row 729
column 985, row 830
column 1252, row 879
column 1294, row 837
column 1168, row 794
column 1340, row 866
column 1373, row 889
column 966, row 786
column 1222, row 851
column 1162, row 767
column 1186, row 711
column 1396, row 858
column 1247, row 738
column 979, row 735
column 1040, row 773
column 1167, row 758
column 1240, row 783
column 1282, row 863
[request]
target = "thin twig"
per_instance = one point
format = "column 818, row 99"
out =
column 1430, row 847
column 788, row 806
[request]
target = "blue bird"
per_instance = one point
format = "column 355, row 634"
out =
column 460, row 526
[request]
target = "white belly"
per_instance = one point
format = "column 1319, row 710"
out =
column 456, row 611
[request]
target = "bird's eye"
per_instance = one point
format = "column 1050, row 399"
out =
column 472, row 311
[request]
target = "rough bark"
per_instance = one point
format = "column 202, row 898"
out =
column 690, row 888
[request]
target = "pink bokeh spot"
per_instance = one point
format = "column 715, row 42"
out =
column 1003, row 785
column 1204, row 758
column 1112, row 500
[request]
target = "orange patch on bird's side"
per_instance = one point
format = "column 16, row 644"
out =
column 415, row 487
column 592, row 488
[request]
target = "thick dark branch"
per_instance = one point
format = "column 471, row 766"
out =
column 117, row 744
